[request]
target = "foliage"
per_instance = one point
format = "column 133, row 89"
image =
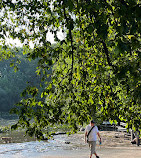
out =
column 5, row 129
column 96, row 68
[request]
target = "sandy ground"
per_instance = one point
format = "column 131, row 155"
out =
column 103, row 153
column 114, row 145
column 126, row 153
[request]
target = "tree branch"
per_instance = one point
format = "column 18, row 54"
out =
column 71, row 39
column 107, row 53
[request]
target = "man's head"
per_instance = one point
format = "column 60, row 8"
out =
column 92, row 122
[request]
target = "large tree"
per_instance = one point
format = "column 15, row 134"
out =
column 96, row 67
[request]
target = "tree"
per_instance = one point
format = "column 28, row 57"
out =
column 95, row 68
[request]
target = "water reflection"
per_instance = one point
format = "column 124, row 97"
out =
column 37, row 149
column 21, row 150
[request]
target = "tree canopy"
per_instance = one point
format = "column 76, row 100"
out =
column 96, row 66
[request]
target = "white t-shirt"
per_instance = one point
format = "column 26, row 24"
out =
column 93, row 134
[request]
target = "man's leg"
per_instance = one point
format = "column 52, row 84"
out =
column 93, row 145
column 96, row 155
column 90, row 146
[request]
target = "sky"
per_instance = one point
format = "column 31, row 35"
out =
column 50, row 37
column 16, row 42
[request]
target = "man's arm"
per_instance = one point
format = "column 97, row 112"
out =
column 99, row 136
column 86, row 136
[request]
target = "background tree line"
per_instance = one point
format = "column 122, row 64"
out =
column 13, row 83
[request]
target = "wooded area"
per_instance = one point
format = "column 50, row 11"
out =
column 12, row 83
column 96, row 68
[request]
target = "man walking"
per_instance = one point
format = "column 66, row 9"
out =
column 91, row 133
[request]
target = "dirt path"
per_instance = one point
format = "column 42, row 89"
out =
column 103, row 153
column 114, row 145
